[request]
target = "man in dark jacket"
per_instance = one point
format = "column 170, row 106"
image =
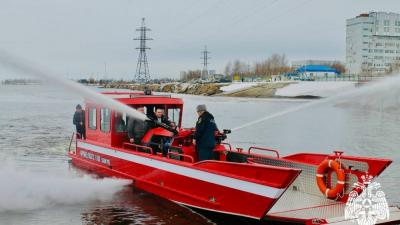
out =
column 79, row 121
column 204, row 136
column 159, row 116
column 159, row 142
column 137, row 128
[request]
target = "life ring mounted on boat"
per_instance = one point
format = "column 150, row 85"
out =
column 330, row 165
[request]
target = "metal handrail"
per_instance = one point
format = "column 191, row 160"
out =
column 263, row 149
column 183, row 155
column 76, row 135
column 138, row 146
column 70, row 142
column 229, row 145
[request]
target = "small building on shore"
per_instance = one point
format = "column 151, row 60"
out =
column 315, row 72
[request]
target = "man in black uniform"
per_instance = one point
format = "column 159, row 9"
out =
column 204, row 136
column 79, row 121
column 137, row 128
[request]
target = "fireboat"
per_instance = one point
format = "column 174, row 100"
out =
column 256, row 183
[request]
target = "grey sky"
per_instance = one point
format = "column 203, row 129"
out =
column 75, row 38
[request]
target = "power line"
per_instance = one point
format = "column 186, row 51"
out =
column 253, row 13
column 250, row 13
column 245, row 16
column 271, row 18
column 179, row 30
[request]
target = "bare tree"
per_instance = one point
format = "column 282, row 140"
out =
column 340, row 67
column 228, row 69
column 276, row 64
column 190, row 75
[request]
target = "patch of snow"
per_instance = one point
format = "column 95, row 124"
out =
column 315, row 88
column 238, row 86
column 185, row 85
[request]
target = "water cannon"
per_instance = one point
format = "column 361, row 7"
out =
column 220, row 136
column 227, row 131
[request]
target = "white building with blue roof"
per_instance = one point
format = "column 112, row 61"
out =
column 314, row 72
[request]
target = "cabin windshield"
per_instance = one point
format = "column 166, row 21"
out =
column 171, row 112
column 174, row 115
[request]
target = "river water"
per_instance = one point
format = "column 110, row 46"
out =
column 38, row 186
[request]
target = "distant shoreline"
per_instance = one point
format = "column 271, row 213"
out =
column 279, row 90
column 20, row 82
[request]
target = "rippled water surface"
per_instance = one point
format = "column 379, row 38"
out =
column 38, row 185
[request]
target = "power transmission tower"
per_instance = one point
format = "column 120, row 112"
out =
column 142, row 69
column 205, row 58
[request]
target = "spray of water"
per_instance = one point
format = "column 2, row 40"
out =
column 21, row 65
column 26, row 190
column 388, row 83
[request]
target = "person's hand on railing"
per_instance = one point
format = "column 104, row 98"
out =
column 131, row 140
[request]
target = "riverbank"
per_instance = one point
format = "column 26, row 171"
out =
column 178, row 88
column 287, row 89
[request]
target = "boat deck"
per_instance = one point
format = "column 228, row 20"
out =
column 302, row 205
column 299, row 206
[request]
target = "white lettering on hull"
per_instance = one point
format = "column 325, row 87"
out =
column 97, row 158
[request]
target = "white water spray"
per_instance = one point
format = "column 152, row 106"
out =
column 382, row 85
column 25, row 190
column 22, row 65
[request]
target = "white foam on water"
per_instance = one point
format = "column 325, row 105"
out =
column 27, row 190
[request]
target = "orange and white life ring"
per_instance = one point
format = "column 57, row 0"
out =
column 324, row 167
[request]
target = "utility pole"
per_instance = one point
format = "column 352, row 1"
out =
column 142, row 69
column 105, row 69
column 205, row 58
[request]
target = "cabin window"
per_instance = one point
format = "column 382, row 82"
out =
column 105, row 116
column 173, row 115
column 120, row 122
column 92, row 119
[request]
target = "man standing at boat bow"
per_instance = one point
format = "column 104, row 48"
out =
column 204, row 136
column 79, row 121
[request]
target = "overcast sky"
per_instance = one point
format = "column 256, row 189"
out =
column 77, row 38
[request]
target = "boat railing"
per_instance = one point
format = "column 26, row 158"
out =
column 227, row 144
column 76, row 136
column 182, row 155
column 137, row 147
column 263, row 149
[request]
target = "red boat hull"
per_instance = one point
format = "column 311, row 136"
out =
column 250, row 192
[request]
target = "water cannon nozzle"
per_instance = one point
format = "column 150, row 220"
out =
column 227, row 131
